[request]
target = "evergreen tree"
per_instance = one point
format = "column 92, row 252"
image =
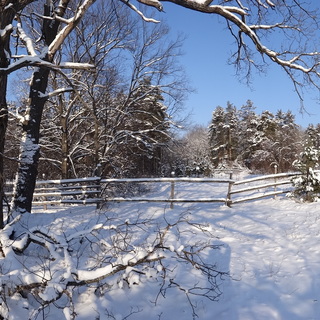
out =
column 287, row 141
column 146, row 129
column 307, row 186
column 258, row 142
column 249, row 135
column 279, row 142
column 231, row 128
column 217, row 136
column 313, row 135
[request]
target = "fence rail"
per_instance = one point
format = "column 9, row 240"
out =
column 65, row 191
column 97, row 190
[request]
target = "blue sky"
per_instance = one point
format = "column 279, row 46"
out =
column 206, row 50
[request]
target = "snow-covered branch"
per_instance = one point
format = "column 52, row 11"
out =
column 296, row 22
column 113, row 254
column 71, row 24
column 6, row 31
column 56, row 92
column 134, row 8
column 26, row 40
column 37, row 61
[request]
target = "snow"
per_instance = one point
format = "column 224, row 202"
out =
column 26, row 40
column 269, row 247
column 6, row 30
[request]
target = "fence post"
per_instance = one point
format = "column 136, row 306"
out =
column 275, row 180
column 228, row 200
column 98, row 173
column 43, row 189
column 172, row 190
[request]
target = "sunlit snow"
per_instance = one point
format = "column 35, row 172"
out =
column 270, row 247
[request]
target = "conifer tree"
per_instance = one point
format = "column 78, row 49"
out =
column 217, row 136
column 249, row 136
column 307, row 185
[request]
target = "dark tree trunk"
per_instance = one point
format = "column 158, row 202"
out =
column 6, row 18
column 3, row 128
column 30, row 149
column 64, row 148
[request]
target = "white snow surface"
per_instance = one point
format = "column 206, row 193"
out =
column 271, row 248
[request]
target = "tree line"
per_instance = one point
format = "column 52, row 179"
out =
column 240, row 138
column 258, row 141
column 114, row 120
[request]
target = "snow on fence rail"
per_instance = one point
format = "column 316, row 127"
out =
column 171, row 196
column 65, row 191
column 256, row 188
column 95, row 190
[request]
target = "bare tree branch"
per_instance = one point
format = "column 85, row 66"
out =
column 295, row 20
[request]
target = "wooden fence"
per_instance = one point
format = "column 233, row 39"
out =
column 67, row 191
column 96, row 190
column 261, row 187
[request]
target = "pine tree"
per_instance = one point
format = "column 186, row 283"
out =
column 249, row 136
column 146, row 129
column 279, row 142
column 307, row 186
column 232, row 127
column 287, row 140
column 218, row 136
column 313, row 135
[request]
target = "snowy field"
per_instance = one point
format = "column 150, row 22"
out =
column 270, row 248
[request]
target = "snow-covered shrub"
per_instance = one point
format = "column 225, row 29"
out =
column 307, row 185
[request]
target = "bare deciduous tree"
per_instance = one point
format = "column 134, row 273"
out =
column 29, row 152
column 280, row 32
column 8, row 10
column 123, row 109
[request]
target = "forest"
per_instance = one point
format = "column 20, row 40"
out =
column 241, row 139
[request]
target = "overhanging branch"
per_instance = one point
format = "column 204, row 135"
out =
column 36, row 61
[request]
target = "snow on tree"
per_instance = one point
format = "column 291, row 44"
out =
column 232, row 127
column 58, row 266
column 249, row 136
column 313, row 135
column 307, row 186
column 145, row 129
column 258, row 142
column 281, row 33
column 189, row 155
column 73, row 135
column 217, row 136
column 280, row 142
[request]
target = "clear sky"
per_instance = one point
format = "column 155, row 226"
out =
column 206, row 51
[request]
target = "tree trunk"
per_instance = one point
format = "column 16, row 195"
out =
column 64, row 148
column 30, row 149
column 6, row 18
column 63, row 119
column 3, row 128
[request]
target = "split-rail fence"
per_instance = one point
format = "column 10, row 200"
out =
column 96, row 190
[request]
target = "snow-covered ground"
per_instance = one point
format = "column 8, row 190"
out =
column 271, row 249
